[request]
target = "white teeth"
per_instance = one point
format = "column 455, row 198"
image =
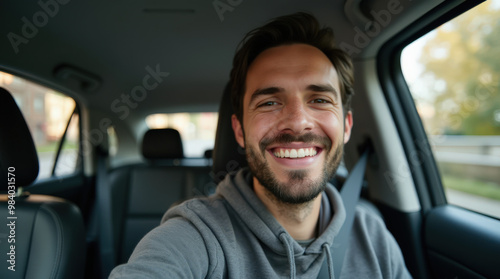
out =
column 295, row 153
column 301, row 153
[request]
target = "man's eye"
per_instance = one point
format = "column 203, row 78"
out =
column 268, row 104
column 320, row 101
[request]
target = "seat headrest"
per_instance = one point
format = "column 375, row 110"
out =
column 228, row 155
column 17, row 149
column 162, row 144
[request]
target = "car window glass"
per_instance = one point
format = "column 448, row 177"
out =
column 68, row 158
column 47, row 113
column 197, row 129
column 112, row 141
column 453, row 74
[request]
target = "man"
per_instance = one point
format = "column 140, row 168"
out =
column 291, row 91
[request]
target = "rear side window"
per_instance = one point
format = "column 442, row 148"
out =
column 197, row 129
column 53, row 123
column 453, row 74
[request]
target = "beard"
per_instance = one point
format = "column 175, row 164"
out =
column 300, row 187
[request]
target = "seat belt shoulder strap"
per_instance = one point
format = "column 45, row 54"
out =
column 350, row 193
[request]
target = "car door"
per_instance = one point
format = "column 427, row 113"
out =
column 442, row 84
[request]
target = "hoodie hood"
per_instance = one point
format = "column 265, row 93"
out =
column 237, row 190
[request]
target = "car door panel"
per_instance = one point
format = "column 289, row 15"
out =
column 462, row 244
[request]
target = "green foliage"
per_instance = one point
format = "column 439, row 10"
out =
column 462, row 60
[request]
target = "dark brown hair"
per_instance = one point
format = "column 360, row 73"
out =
column 295, row 28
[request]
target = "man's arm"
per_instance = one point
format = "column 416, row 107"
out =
column 373, row 251
column 173, row 250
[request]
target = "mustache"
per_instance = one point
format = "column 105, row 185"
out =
column 289, row 138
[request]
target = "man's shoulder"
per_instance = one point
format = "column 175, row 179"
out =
column 369, row 221
column 373, row 250
column 199, row 211
column 212, row 202
column 172, row 250
column 366, row 209
column 193, row 221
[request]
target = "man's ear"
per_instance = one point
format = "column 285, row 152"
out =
column 238, row 131
column 348, row 122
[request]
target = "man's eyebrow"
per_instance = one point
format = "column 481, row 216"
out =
column 322, row 88
column 325, row 88
column 265, row 91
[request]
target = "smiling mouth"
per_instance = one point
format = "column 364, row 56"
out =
column 294, row 152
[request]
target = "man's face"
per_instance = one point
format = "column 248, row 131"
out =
column 294, row 127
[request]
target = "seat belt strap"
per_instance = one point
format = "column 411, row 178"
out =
column 103, row 192
column 350, row 193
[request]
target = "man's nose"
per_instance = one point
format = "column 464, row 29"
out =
column 295, row 118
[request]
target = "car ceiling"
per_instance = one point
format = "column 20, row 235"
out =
column 114, row 42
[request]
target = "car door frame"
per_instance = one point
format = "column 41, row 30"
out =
column 445, row 235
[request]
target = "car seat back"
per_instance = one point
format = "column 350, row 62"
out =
column 44, row 236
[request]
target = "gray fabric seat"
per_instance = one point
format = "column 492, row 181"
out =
column 48, row 231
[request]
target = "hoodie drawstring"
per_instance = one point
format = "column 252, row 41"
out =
column 326, row 249
column 289, row 254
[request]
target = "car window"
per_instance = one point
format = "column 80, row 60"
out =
column 453, row 74
column 197, row 129
column 112, row 141
column 52, row 121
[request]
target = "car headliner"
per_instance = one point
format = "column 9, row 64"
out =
column 194, row 41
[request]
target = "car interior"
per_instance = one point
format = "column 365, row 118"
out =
column 113, row 112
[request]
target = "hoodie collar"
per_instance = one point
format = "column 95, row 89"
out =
column 238, row 192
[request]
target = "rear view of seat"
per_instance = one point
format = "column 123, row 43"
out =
column 142, row 193
column 40, row 236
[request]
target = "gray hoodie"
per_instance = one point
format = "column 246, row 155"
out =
column 233, row 235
